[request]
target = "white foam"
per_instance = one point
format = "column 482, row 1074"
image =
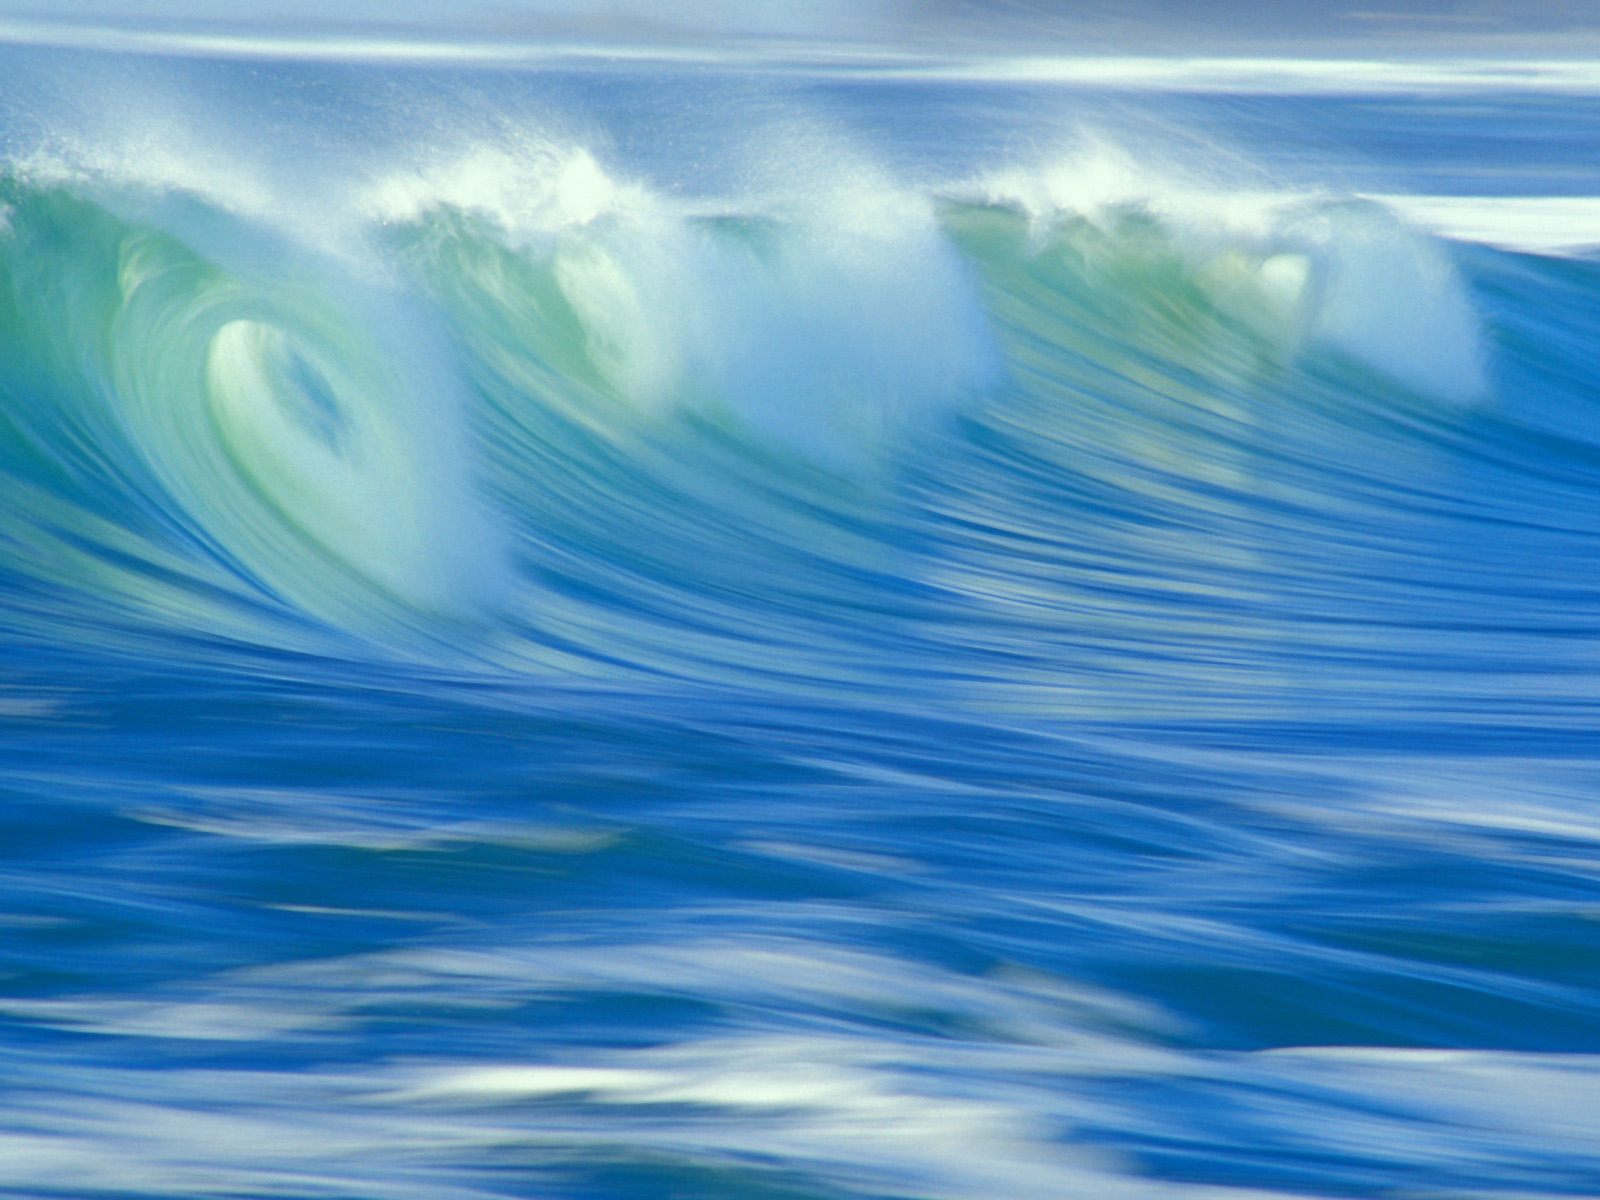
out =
column 1307, row 269
column 1267, row 75
column 1388, row 295
column 141, row 155
column 823, row 320
column 211, row 1021
column 527, row 184
column 835, row 1104
column 1510, row 1104
column 1542, row 224
column 1097, row 176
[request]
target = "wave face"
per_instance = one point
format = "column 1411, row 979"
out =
column 642, row 632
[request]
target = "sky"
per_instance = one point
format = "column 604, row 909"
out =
column 1495, row 28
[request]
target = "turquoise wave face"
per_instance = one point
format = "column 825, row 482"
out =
column 663, row 439
column 688, row 659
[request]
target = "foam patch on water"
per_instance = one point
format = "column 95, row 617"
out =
column 1509, row 1107
column 1544, row 224
column 846, row 1107
column 858, row 1106
column 853, row 1108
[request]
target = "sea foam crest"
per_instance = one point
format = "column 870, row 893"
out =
column 826, row 321
column 1317, row 272
column 1387, row 294
column 530, row 188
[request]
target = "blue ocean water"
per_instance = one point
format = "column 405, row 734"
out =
column 605, row 629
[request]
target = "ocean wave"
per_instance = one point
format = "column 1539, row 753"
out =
column 516, row 378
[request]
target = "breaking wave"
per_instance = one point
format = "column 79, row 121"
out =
column 514, row 410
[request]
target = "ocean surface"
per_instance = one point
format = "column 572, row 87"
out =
column 597, row 628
